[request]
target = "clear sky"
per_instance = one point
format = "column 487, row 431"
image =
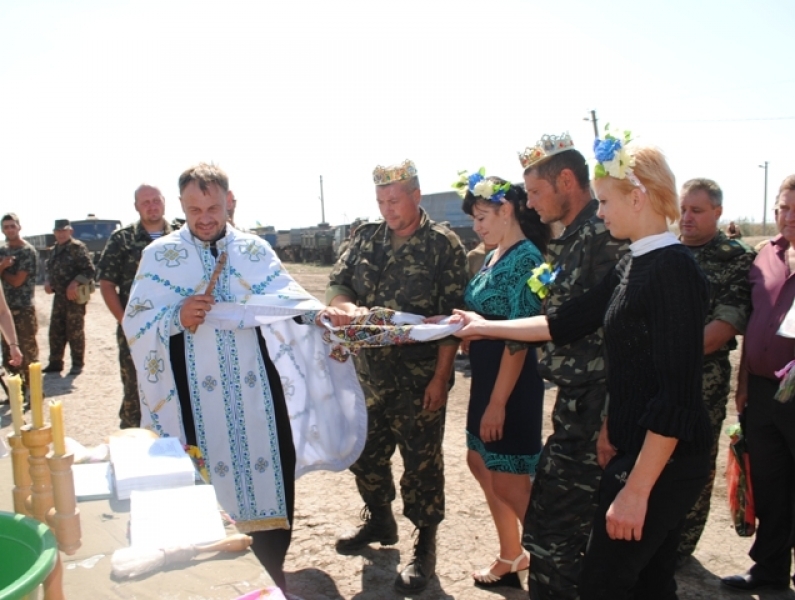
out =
column 100, row 96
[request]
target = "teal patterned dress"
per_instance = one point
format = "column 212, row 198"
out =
column 500, row 291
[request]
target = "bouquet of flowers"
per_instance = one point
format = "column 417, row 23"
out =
column 786, row 389
column 738, row 482
column 541, row 278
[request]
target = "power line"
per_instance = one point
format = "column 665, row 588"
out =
column 696, row 91
column 748, row 119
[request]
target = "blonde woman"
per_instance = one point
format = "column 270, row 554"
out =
column 652, row 307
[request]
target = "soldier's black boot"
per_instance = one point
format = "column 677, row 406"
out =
column 379, row 526
column 415, row 577
column 53, row 367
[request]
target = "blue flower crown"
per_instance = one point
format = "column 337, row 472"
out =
column 613, row 158
column 480, row 186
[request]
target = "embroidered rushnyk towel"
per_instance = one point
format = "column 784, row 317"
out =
column 384, row 327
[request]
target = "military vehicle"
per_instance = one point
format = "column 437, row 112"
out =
column 93, row 232
column 306, row 244
column 266, row 232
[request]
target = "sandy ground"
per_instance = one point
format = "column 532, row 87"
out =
column 327, row 503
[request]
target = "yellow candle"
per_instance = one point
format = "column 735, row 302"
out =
column 56, row 421
column 36, row 399
column 15, row 397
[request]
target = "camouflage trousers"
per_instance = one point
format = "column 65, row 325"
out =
column 130, row 410
column 716, row 385
column 67, row 325
column 395, row 418
column 27, row 325
column 563, row 500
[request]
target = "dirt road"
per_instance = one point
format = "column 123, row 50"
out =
column 327, row 503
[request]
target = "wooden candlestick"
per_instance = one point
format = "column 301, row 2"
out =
column 21, row 470
column 64, row 517
column 37, row 442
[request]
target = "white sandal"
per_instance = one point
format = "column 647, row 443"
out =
column 485, row 577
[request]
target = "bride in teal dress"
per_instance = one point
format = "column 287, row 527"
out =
column 506, row 395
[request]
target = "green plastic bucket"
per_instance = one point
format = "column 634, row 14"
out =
column 28, row 552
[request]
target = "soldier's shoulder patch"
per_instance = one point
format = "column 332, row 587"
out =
column 729, row 249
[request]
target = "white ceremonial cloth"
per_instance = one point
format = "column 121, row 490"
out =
column 230, row 394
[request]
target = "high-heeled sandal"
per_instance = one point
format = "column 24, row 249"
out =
column 485, row 577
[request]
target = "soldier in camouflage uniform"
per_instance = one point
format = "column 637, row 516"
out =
column 726, row 263
column 563, row 501
column 405, row 262
column 117, row 269
column 347, row 241
column 19, row 265
column 476, row 257
column 68, row 266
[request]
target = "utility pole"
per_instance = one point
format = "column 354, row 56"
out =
column 764, row 214
column 322, row 205
column 592, row 119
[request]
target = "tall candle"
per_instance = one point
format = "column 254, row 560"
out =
column 36, row 398
column 15, row 397
column 56, row 421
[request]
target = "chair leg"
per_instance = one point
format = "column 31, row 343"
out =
column 53, row 585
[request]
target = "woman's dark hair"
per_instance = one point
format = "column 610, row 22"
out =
column 534, row 230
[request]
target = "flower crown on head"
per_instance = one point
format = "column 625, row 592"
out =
column 480, row 186
column 613, row 158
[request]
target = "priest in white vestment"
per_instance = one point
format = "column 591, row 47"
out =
column 229, row 360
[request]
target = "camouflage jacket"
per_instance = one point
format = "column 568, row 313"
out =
column 69, row 262
column 726, row 264
column 25, row 259
column 427, row 275
column 122, row 253
column 476, row 258
column 585, row 252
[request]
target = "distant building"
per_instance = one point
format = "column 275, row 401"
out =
column 446, row 206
